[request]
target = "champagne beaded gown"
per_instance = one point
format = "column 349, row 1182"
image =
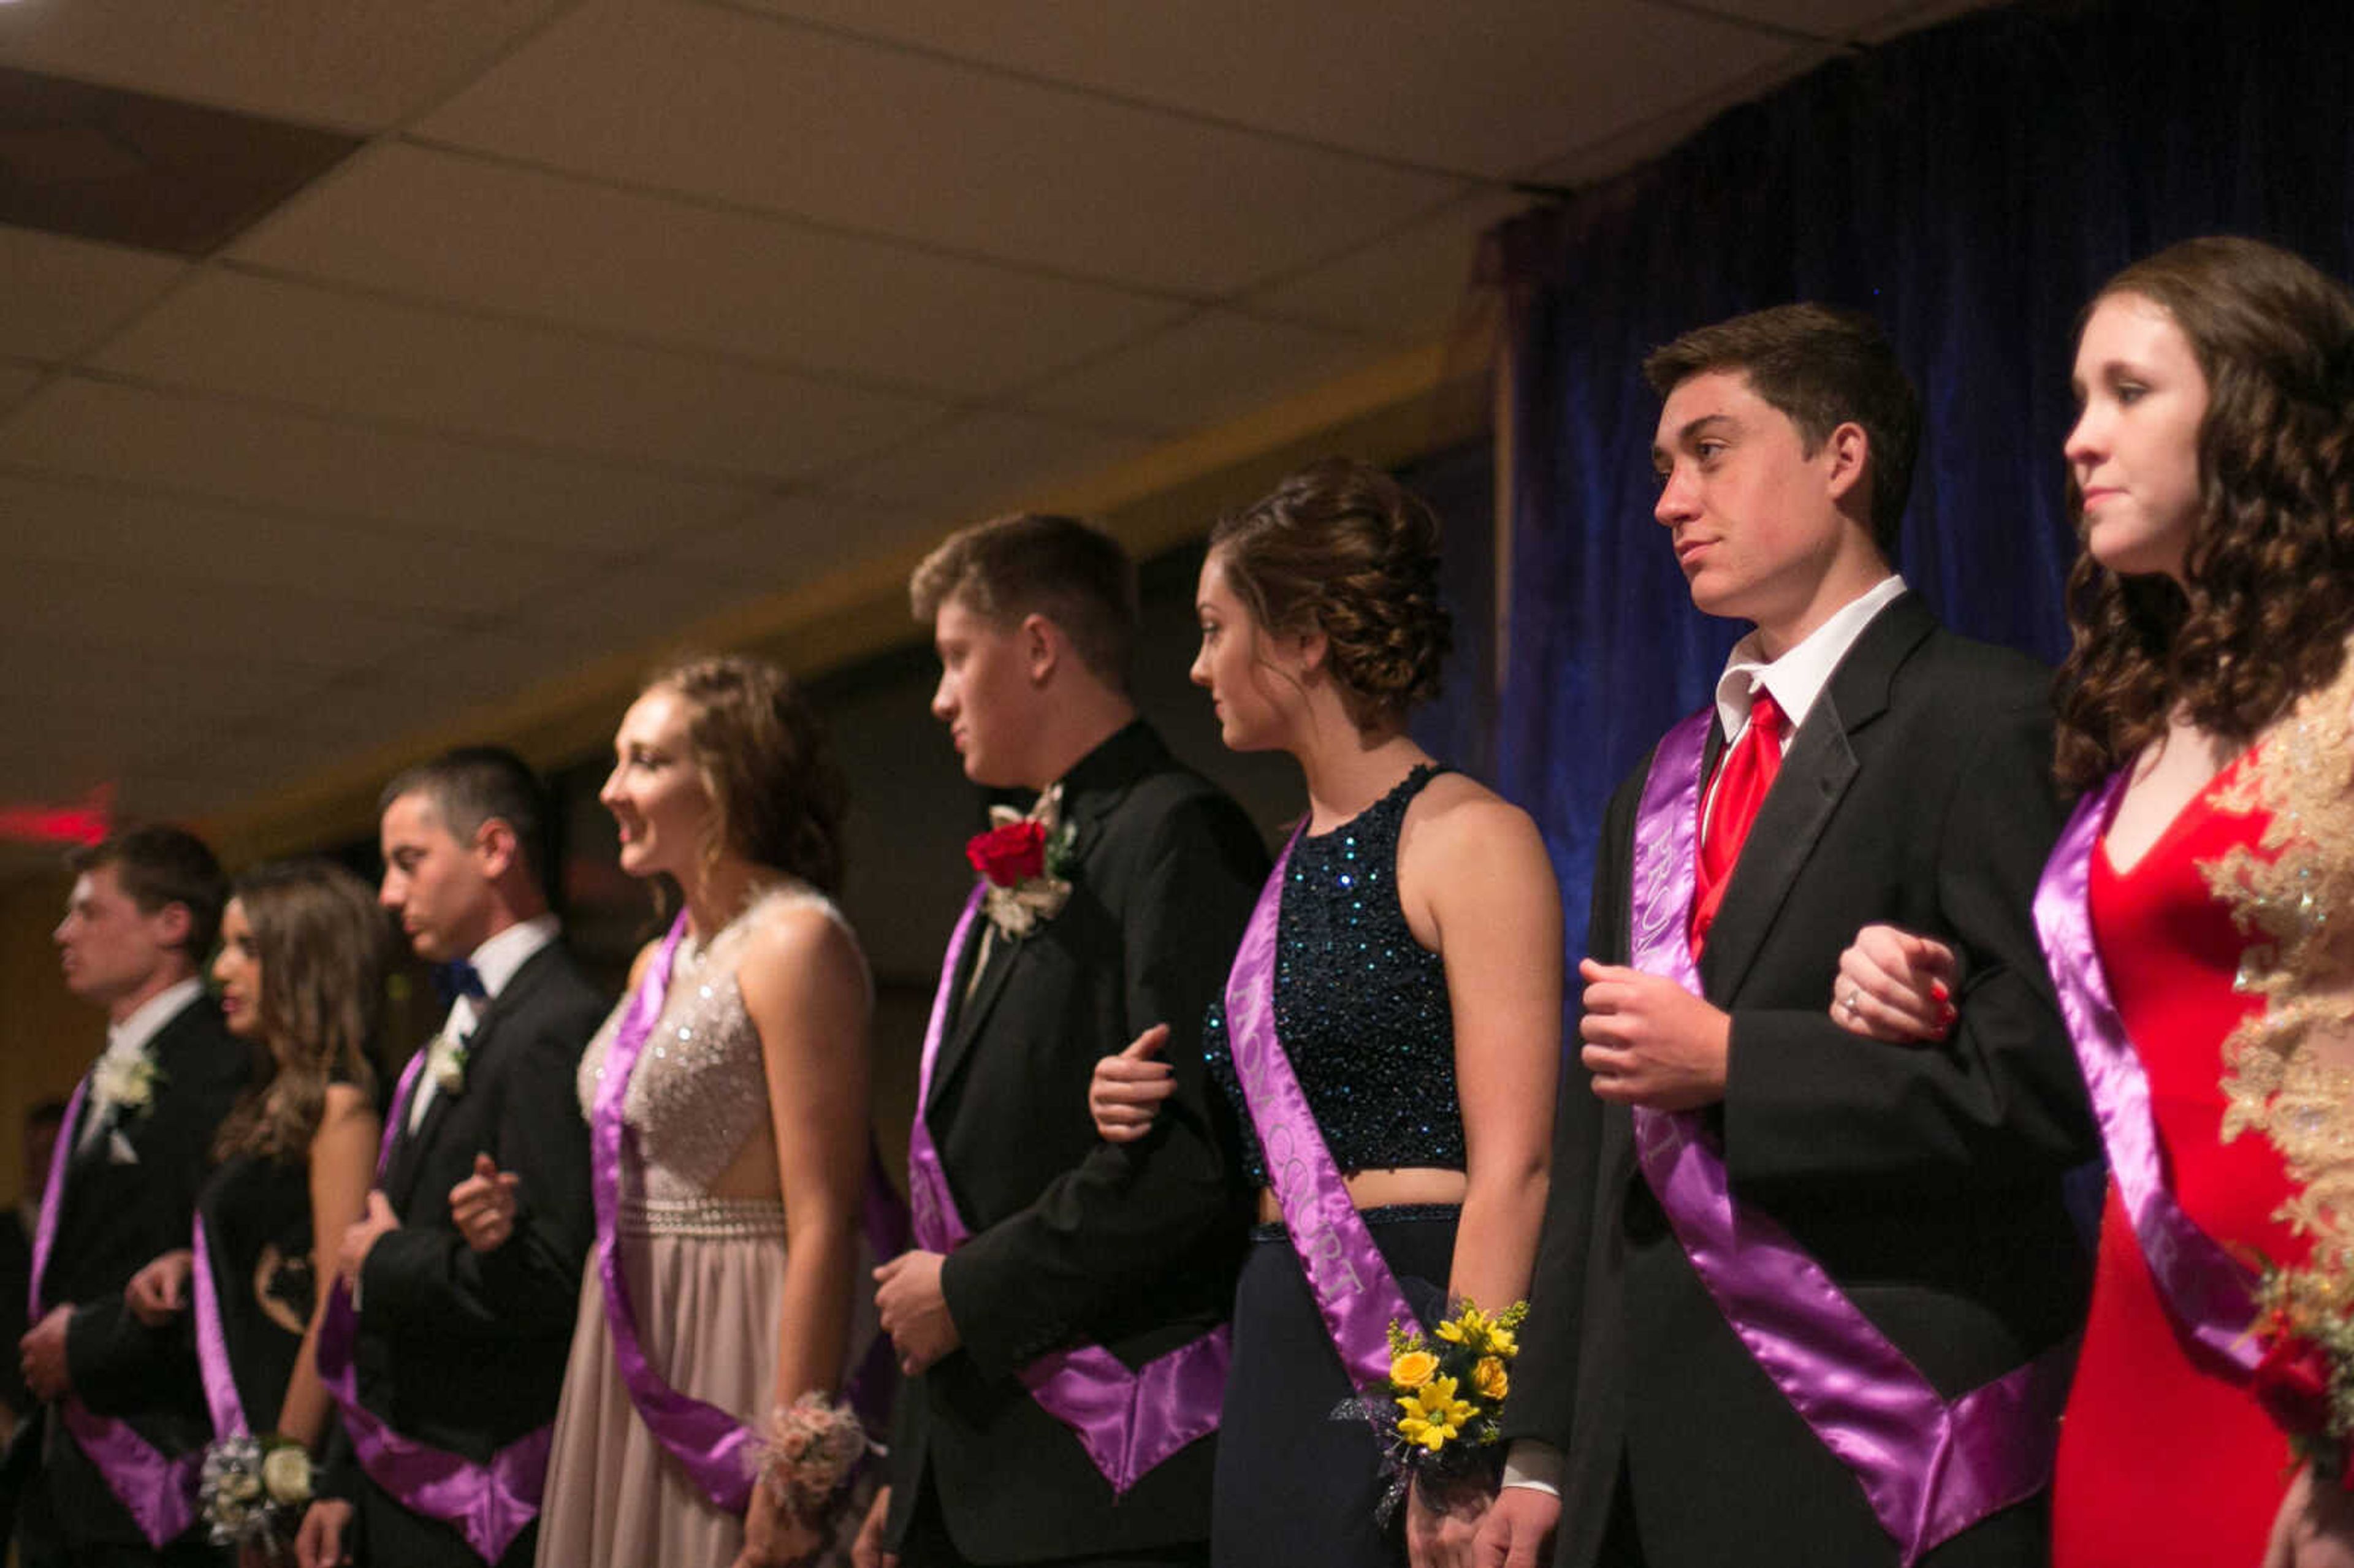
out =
column 702, row 1249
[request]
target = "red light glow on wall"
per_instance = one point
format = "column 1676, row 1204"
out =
column 85, row 823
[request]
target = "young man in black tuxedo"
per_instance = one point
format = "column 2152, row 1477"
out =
column 1074, row 1241
column 460, row 1349
column 1909, row 781
column 144, row 910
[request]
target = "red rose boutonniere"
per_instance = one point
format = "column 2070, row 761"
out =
column 1025, row 863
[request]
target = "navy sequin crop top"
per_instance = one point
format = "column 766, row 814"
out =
column 1360, row 1005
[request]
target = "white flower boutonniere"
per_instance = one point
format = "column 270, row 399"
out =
column 446, row 1060
column 1027, row 863
column 128, row 1083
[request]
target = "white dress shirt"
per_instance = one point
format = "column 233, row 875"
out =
column 125, row 1043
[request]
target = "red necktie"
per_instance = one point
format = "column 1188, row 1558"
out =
column 1742, row 778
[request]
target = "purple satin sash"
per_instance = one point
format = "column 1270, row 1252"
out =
column 1128, row 1419
column 719, row 1452
column 2209, row 1295
column 488, row 1503
column 1356, row 1291
column 1929, row 1467
column 157, row 1490
column 212, row 1347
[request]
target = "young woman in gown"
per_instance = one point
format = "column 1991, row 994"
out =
column 303, row 949
column 747, row 1110
column 1417, row 996
column 2210, row 473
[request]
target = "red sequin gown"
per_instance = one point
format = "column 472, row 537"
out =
column 2162, row 1463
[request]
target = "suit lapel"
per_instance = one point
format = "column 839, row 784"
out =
column 408, row 1149
column 1086, row 801
column 1816, row 772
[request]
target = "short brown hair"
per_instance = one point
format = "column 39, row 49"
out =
column 777, row 797
column 2270, row 569
column 471, row 785
column 1821, row 367
column 160, row 866
column 1341, row 548
column 1032, row 563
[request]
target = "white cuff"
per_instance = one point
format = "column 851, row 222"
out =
column 1535, row 1464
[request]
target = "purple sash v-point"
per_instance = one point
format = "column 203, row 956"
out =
column 1128, row 1419
column 718, row 1451
column 2209, row 1295
column 490, row 1503
column 1929, row 1466
column 159, row 1492
column 1355, row 1292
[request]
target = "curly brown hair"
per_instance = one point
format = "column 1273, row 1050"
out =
column 776, row 795
column 323, row 945
column 2267, row 600
column 1341, row 548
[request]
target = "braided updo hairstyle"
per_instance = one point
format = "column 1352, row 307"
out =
column 1339, row 548
column 2264, row 614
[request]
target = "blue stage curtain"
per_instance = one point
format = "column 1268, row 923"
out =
column 1971, row 184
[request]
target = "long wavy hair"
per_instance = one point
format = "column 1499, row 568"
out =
column 322, row 946
column 2267, row 600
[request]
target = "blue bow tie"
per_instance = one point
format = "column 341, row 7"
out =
column 457, row 979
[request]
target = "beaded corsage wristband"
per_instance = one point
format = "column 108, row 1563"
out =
column 809, row 1449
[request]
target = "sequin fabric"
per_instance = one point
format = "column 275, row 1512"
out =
column 2286, row 1069
column 1361, row 1006
column 699, row 1094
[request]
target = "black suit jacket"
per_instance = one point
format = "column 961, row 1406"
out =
column 1075, row 1240
column 1925, row 1178
column 462, row 1349
column 116, row 1216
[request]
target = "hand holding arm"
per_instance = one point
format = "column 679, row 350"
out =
column 1896, row 986
column 1127, row 1089
column 483, row 1205
column 159, row 1292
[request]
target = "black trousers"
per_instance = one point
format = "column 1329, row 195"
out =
column 928, row 1545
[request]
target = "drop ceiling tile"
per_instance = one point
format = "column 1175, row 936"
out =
column 652, row 610
column 65, row 294
column 1201, row 372
column 269, row 457
column 359, row 64
column 1482, row 86
column 257, row 337
column 15, row 382
column 794, row 539
column 442, row 225
column 98, row 527
column 1839, row 19
column 134, row 608
column 1409, row 287
column 985, row 461
column 751, row 110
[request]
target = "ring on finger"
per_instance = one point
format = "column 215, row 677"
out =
column 1853, row 1002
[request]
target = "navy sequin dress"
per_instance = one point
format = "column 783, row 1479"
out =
column 1362, row 1011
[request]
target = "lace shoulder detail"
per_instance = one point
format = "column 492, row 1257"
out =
column 2288, row 1069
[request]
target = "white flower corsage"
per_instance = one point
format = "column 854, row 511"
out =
column 447, row 1061
column 255, row 1489
column 807, row 1451
column 128, row 1082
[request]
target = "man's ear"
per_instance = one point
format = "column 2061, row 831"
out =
column 496, row 848
column 1849, row 451
column 1042, row 645
column 173, row 923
